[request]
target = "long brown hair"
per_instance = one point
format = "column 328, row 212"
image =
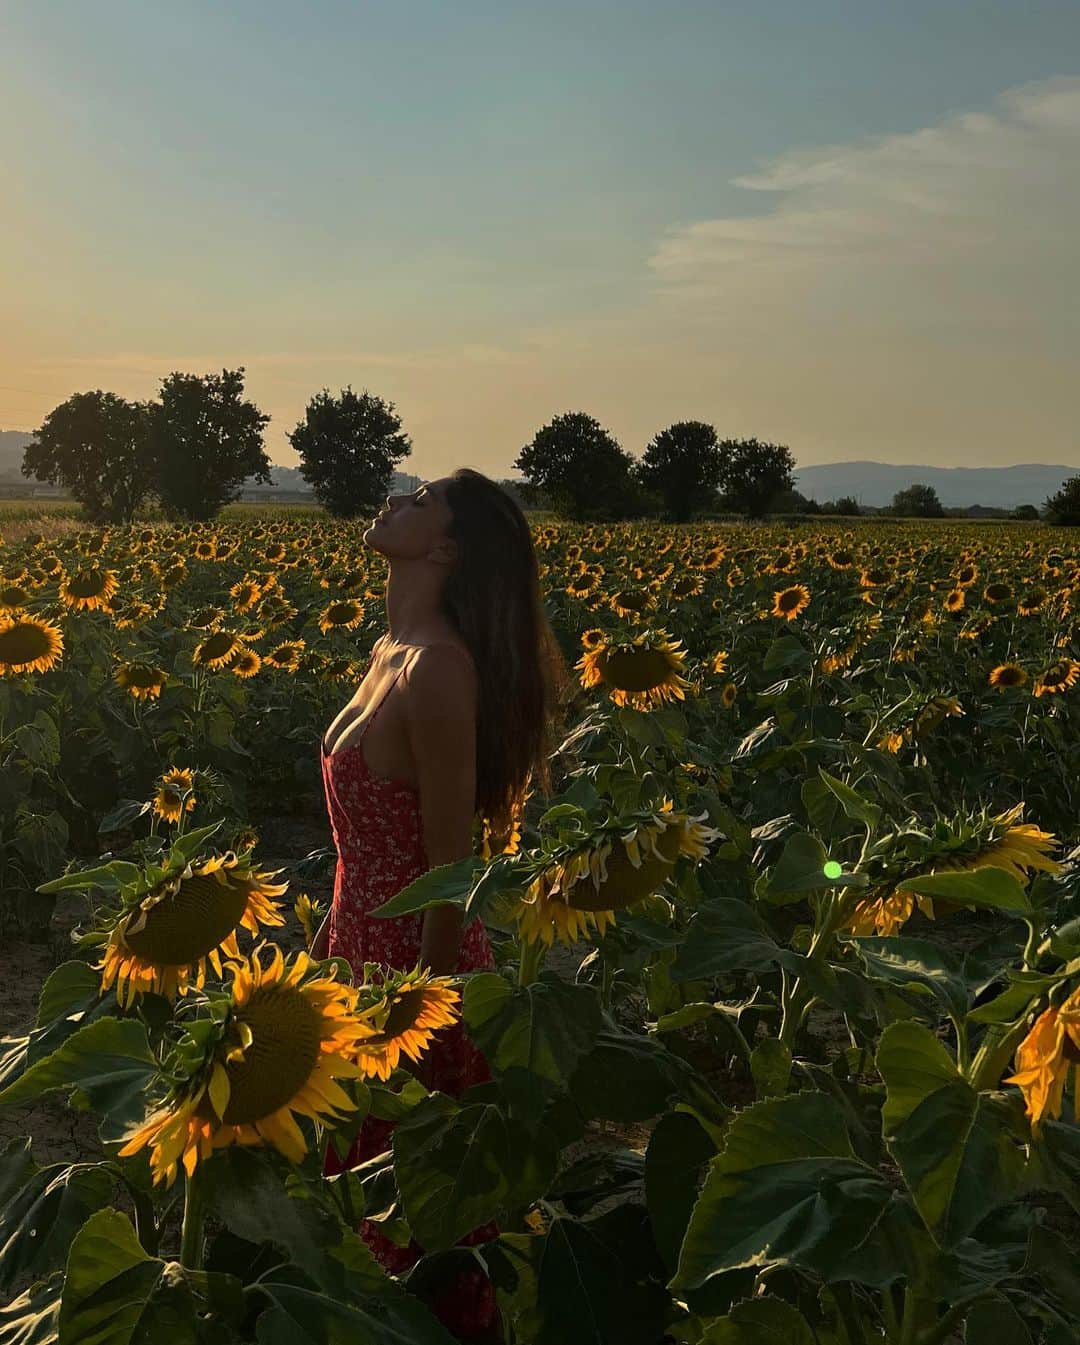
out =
column 492, row 598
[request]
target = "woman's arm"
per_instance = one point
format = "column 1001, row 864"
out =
column 440, row 713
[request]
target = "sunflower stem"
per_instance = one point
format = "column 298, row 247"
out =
column 529, row 959
column 1031, row 948
column 191, row 1234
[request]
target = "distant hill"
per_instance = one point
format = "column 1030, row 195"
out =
column 12, row 443
column 875, row 483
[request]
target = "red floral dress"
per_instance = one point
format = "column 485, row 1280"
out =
column 378, row 835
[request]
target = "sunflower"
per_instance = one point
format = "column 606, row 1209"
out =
column 290, row 1033
column 88, row 589
column 789, row 602
column 187, row 918
column 170, row 801
column 29, row 644
column 285, row 656
column 1057, row 678
column 640, row 673
column 206, row 549
column 593, row 638
column 883, row 916
column 341, row 615
column 1031, row 601
column 217, row 650
column 507, row 842
column 310, row 914
column 933, row 714
column 997, row 592
column 629, row 602
column 581, row 890
column 13, row 597
column 1016, row 847
column 246, row 664
column 142, row 680
column 132, row 615
column 1007, row 675
column 205, row 618
column 403, row 1013
column 582, row 585
column 720, row 661
column 840, row 558
column 955, row 599
column 966, row 575
column 688, row 586
column 728, row 694
column 245, row 593
column 1044, row 1058
column 339, row 669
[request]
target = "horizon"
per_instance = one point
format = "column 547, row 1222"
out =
column 848, row 231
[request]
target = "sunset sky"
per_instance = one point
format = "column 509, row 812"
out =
column 847, row 225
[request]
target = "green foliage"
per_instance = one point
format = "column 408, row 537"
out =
column 1063, row 509
column 99, row 446
column 917, row 501
column 208, row 439
column 752, row 474
column 579, row 468
column 349, row 448
column 683, row 465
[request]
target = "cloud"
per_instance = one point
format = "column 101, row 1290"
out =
column 991, row 197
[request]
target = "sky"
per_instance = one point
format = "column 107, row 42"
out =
column 848, row 226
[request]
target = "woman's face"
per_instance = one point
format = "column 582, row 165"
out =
column 414, row 527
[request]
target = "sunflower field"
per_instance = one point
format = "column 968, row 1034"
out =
column 785, row 1028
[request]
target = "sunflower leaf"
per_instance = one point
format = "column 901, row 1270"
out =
column 444, row 885
column 951, row 1143
column 459, row 1166
column 988, row 887
column 41, row 1210
column 787, row 1189
column 109, row 1060
column 114, row 1292
column 853, row 803
column 533, row 1036
column 761, row 1321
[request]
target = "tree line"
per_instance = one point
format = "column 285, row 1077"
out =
column 193, row 447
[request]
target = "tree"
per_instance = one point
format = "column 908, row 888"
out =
column 682, row 465
column 1025, row 513
column 98, row 446
column 754, row 474
column 846, row 505
column 580, row 469
column 1063, row 509
column 349, row 448
column 792, row 501
column 208, row 440
column 917, row 501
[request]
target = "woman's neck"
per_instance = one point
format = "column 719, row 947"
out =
column 413, row 604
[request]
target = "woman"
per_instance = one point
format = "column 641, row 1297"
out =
column 464, row 683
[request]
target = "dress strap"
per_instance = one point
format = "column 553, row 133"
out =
column 379, row 702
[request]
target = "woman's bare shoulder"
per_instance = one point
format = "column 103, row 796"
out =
column 442, row 663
